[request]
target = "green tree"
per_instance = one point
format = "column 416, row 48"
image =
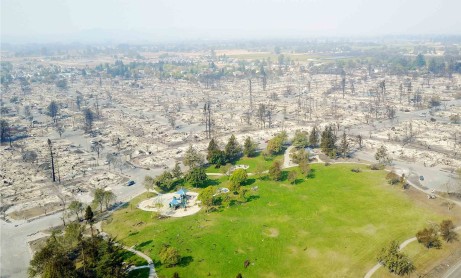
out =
column 76, row 207
column 300, row 139
column 249, row 147
column 207, row 197
column 300, row 155
column 292, row 176
column 237, row 179
column 275, row 145
column 52, row 262
column 98, row 199
column 177, row 172
column 215, row 155
column 395, row 261
column 192, row 158
column 73, row 235
column 232, row 149
column 164, row 181
column 344, row 145
column 328, row 142
column 89, row 214
column 259, row 170
column 169, row 256
column 197, row 177
column 275, row 171
column 109, row 198
column 314, row 137
column 382, row 156
column 304, row 167
column 225, row 170
column 110, row 260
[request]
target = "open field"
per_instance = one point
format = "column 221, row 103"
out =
column 251, row 162
column 285, row 230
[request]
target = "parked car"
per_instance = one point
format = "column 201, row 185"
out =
column 130, row 183
column 421, row 178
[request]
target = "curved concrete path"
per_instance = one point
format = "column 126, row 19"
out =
column 152, row 273
column 401, row 246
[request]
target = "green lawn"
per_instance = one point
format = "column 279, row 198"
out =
column 332, row 225
column 252, row 162
column 133, row 259
column 139, row 273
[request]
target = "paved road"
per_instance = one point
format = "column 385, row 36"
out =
column 14, row 254
column 287, row 162
column 454, row 272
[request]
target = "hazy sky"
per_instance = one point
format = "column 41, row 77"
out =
column 72, row 19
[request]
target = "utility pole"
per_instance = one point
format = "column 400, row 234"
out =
column 52, row 160
column 207, row 114
column 251, row 97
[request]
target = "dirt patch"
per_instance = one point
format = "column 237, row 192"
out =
column 35, row 211
column 38, row 244
column 440, row 267
column 437, row 205
column 367, row 229
column 312, row 252
column 271, row 232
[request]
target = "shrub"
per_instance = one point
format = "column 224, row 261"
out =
column 447, row 231
column 392, row 178
column 376, row 166
column 356, row 170
column 275, row 171
column 169, row 256
column 428, row 237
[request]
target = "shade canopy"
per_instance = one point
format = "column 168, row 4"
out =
column 182, row 191
column 174, row 202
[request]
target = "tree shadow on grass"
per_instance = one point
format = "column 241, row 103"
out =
column 209, row 182
column 297, row 181
column 252, row 198
column 185, row 261
column 284, row 176
column 311, row 174
column 249, row 182
column 143, row 244
column 264, row 177
column 133, row 233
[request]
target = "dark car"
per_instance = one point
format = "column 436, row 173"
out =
column 130, row 183
column 421, row 178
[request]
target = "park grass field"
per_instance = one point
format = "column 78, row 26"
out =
column 333, row 224
column 252, row 163
column 139, row 273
